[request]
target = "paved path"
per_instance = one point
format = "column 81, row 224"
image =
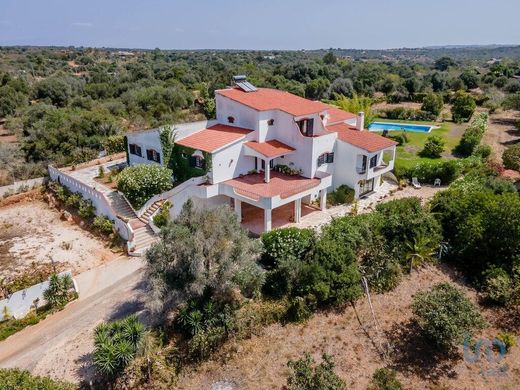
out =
column 61, row 345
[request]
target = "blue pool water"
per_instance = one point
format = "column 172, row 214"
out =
column 380, row 126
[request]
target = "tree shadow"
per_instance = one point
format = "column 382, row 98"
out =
column 86, row 370
column 414, row 354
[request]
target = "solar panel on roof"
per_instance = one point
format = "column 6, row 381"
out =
column 246, row 86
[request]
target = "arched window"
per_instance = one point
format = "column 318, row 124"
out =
column 197, row 159
column 230, row 119
column 270, row 122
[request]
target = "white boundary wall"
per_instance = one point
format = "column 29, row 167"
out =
column 17, row 186
column 21, row 302
column 98, row 199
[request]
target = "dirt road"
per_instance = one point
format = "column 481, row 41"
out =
column 501, row 132
column 61, row 345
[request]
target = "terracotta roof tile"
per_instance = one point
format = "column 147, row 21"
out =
column 214, row 137
column 362, row 139
column 254, row 187
column 272, row 99
column 273, row 148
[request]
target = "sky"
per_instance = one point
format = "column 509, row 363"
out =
column 258, row 24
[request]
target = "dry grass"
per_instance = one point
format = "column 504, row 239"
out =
column 260, row 362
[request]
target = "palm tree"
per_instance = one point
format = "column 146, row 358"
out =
column 420, row 250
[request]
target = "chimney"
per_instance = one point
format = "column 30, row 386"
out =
column 360, row 121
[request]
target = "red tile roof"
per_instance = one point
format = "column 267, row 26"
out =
column 336, row 114
column 272, row 99
column 214, row 137
column 273, row 148
column 362, row 139
column 254, row 187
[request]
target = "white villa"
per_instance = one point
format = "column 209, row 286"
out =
column 269, row 154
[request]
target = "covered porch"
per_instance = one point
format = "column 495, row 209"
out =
column 262, row 205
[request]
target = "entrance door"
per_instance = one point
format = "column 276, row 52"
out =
column 366, row 186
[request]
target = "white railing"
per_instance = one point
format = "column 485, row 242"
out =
column 168, row 194
column 99, row 200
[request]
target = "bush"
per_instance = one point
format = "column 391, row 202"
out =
column 282, row 257
column 463, row 107
column 86, row 209
column 427, row 172
column 58, row 294
column 14, row 378
column 473, row 135
column 432, row 103
column 306, row 375
column 445, row 315
column 116, row 344
column 511, row 157
column 342, row 195
column 380, row 267
column 163, row 216
column 103, row 224
column 401, row 138
column 139, row 183
column 508, row 338
column 385, row 379
column 433, row 147
column 497, row 285
column 407, row 114
column 482, row 151
column 299, row 310
column 114, row 144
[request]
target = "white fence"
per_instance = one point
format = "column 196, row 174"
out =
column 99, row 200
column 22, row 302
column 21, row 186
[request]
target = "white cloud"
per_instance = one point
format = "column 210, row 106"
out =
column 82, row 24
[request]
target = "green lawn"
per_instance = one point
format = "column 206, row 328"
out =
column 407, row 155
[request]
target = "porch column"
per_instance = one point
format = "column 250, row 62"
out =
column 267, row 220
column 238, row 209
column 267, row 172
column 323, row 199
column 297, row 210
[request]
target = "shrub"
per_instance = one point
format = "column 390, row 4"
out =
column 73, row 200
column 114, row 144
column 342, row 195
column 282, row 257
column 139, row 183
column 380, row 267
column 445, row 315
column 497, row 285
column 518, row 124
column 86, row 209
column 59, row 291
column 511, row 157
column 14, row 378
column 385, row 379
column 401, row 138
column 432, row 103
column 298, row 310
column 163, row 216
column 306, row 375
column 433, row 147
column 463, row 107
column 482, row 151
column 427, row 172
column 101, row 171
column 473, row 135
column 103, row 224
column 508, row 338
column 116, row 344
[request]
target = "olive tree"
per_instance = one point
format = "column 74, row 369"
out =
column 205, row 253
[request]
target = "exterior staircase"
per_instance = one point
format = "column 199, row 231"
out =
column 150, row 211
column 144, row 237
column 120, row 205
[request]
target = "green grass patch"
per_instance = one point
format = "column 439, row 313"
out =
column 408, row 154
column 10, row 327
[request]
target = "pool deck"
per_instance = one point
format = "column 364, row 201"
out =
column 412, row 127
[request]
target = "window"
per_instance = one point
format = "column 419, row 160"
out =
column 197, row 162
column 230, row 119
column 325, row 158
column 270, row 122
column 373, row 161
column 306, row 127
column 135, row 150
column 153, row 155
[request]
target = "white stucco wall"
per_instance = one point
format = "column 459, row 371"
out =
column 230, row 162
column 148, row 139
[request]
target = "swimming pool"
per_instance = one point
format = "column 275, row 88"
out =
column 380, row 126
